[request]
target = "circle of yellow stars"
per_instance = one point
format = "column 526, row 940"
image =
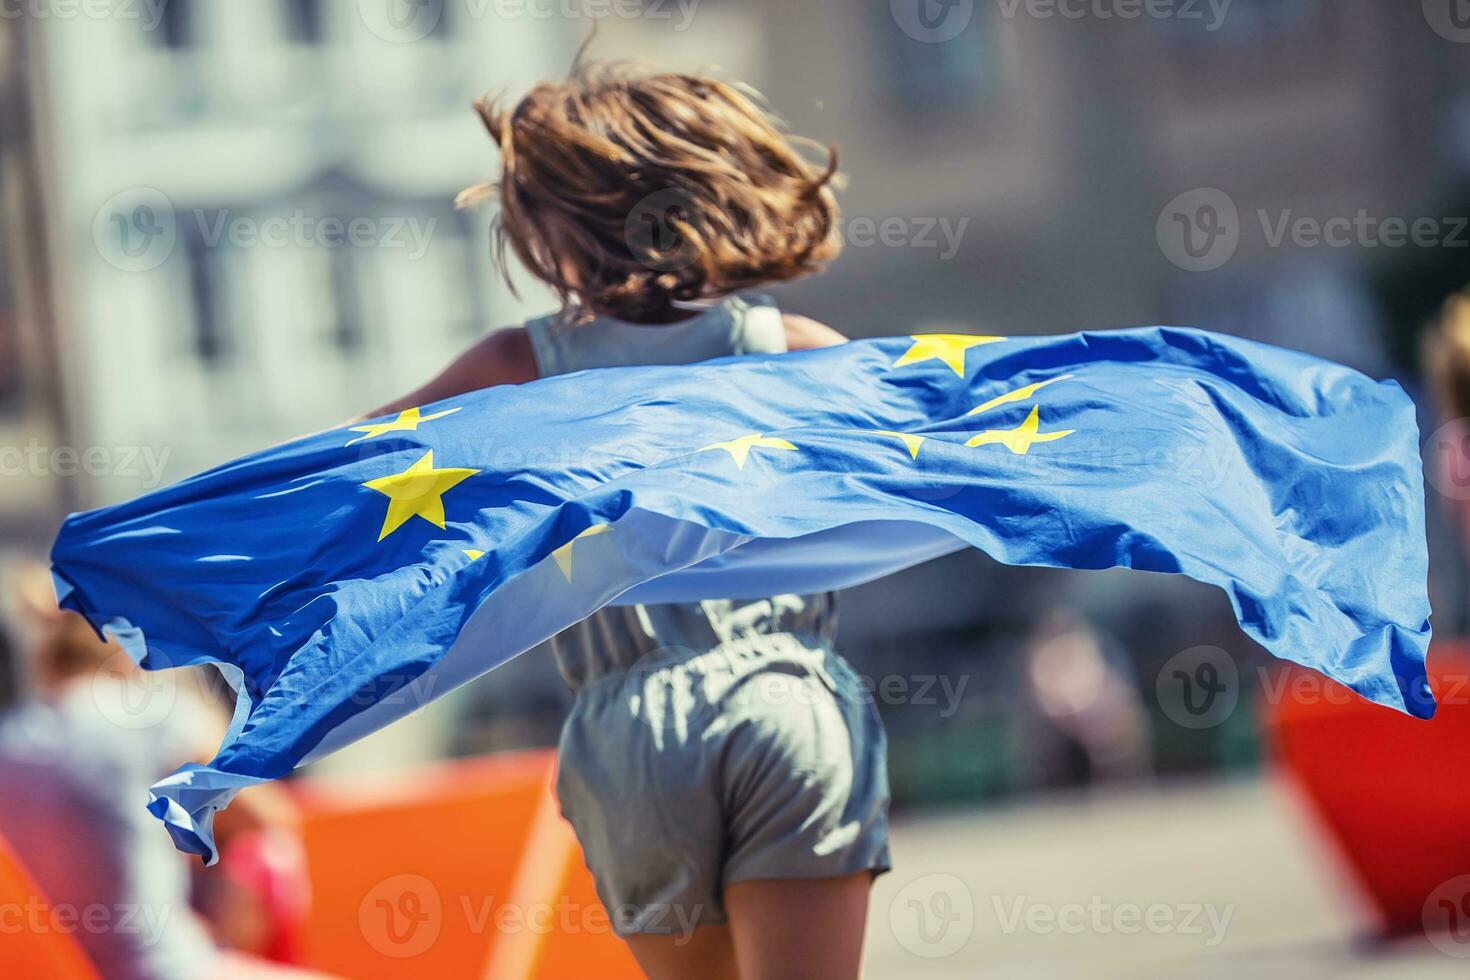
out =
column 419, row 490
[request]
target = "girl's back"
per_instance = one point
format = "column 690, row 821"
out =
column 620, row 636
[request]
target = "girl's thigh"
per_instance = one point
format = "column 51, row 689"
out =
column 799, row 928
column 705, row 952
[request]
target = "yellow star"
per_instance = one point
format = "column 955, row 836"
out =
column 739, row 449
column 1019, row 439
column 1019, row 395
column 474, row 554
column 910, row 440
column 563, row 555
column 407, row 421
column 947, row 347
column 416, row 492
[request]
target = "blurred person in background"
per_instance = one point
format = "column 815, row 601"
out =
column 1096, row 729
column 722, row 766
column 76, row 761
column 1447, row 364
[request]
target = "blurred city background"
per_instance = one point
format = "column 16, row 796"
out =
column 225, row 224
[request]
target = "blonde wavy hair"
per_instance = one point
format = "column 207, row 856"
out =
column 626, row 191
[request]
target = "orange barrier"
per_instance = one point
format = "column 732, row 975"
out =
column 1390, row 790
column 462, row 869
column 40, row 948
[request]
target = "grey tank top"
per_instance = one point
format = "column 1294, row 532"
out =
column 616, row 637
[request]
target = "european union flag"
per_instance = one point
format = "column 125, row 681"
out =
column 344, row 579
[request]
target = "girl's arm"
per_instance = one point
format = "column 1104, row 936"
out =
column 804, row 333
column 501, row 358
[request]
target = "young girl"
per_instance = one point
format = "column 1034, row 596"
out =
column 722, row 767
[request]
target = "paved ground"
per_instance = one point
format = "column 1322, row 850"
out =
column 1217, row 881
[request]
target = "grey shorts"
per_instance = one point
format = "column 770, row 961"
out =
column 686, row 772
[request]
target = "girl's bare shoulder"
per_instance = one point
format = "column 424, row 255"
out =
column 804, row 333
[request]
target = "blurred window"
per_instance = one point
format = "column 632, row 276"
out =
column 407, row 15
column 178, row 23
column 954, row 74
column 10, row 360
column 347, row 332
column 1245, row 20
column 304, row 21
column 466, row 234
column 209, row 341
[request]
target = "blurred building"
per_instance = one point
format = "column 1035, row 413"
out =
column 31, row 419
column 252, row 203
column 1059, row 141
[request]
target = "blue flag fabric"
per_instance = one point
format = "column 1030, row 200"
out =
column 342, row 580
